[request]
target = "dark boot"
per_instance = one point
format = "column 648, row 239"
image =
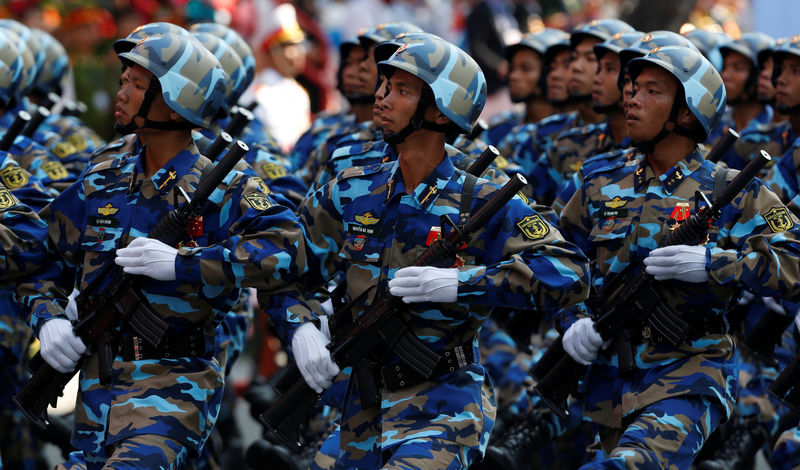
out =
column 515, row 448
column 739, row 450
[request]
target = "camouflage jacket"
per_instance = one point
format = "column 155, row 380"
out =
column 783, row 178
column 323, row 127
column 246, row 241
column 366, row 224
column 500, row 125
column 525, row 144
column 619, row 215
column 566, row 155
column 774, row 138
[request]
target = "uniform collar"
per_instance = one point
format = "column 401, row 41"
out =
column 429, row 189
column 173, row 171
column 670, row 179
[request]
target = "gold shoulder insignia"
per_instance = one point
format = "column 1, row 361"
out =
column 258, row 201
column 779, row 219
column 575, row 166
column 523, row 197
column 6, row 199
column 107, row 210
column 13, row 177
column 533, row 227
column 367, row 219
column 615, row 203
column 55, row 170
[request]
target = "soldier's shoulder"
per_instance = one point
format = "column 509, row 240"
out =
column 502, row 118
column 367, row 171
column 358, row 148
column 559, row 118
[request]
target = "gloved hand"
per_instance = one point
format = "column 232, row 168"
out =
column 746, row 298
column 681, row 262
column 72, row 306
column 323, row 326
column 774, row 305
column 313, row 358
column 148, row 257
column 581, row 341
column 60, row 347
column 425, row 284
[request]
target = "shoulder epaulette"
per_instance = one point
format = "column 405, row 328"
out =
column 357, row 171
column 354, row 149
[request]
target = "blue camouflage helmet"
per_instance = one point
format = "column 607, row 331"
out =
column 56, row 64
column 11, row 66
column 230, row 62
column 385, row 49
column 233, row 39
column 192, row 79
column 648, row 42
column 708, row 43
column 29, row 67
column 31, row 39
column 784, row 47
column 456, row 80
column 750, row 45
column 539, row 41
column 616, row 43
column 600, row 29
column 140, row 32
column 702, row 85
column 385, row 32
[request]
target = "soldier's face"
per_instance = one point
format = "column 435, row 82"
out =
column 377, row 106
column 653, row 93
column 557, row 77
column 766, row 90
column 367, row 72
column 403, row 92
column 133, row 83
column 787, row 91
column 350, row 64
column 582, row 67
column 627, row 89
column 735, row 70
column 523, row 79
column 604, row 85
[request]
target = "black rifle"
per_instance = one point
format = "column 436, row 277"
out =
column 633, row 300
column 37, row 119
column 378, row 328
column 22, row 120
column 480, row 164
column 479, row 128
column 722, row 146
column 240, row 117
column 121, row 301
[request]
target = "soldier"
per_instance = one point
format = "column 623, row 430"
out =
column 141, row 410
column 660, row 407
column 740, row 73
column 373, row 223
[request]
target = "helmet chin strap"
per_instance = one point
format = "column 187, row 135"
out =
column 149, row 96
column 783, row 109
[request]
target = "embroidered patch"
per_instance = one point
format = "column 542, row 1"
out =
column 273, row 170
column 606, row 213
column 262, row 186
column 258, row 201
column 13, row 177
column 367, row 219
column 55, row 170
column 615, row 203
column 358, row 243
column 533, row 227
column 103, row 221
column 6, row 199
column 107, row 210
column 524, row 198
column 63, row 149
column 608, row 225
column 778, row 219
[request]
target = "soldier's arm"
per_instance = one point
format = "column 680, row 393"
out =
column 758, row 245
column 264, row 248
column 782, row 177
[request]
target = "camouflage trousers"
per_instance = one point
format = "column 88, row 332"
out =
column 667, row 434
column 786, row 453
column 143, row 451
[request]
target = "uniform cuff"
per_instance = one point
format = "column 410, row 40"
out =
column 471, row 283
column 722, row 265
column 187, row 268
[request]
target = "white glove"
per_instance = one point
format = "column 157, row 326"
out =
column 746, row 298
column 425, row 284
column 323, row 326
column 313, row 358
column 60, row 347
column 148, row 257
column 681, row 262
column 774, row 305
column 72, row 307
column 581, row 341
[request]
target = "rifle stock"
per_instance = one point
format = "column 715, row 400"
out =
column 625, row 299
column 117, row 302
column 366, row 334
column 22, row 120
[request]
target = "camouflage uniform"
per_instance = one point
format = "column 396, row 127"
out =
column 783, row 177
column 774, row 137
column 323, row 127
column 524, row 145
column 571, row 185
column 38, row 161
column 500, row 125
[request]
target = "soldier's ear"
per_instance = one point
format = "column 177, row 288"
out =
column 438, row 116
column 686, row 118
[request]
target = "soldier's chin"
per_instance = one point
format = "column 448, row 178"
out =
column 516, row 98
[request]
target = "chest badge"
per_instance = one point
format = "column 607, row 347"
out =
column 107, row 210
column 366, row 219
column 615, row 203
column 358, row 243
column 433, row 235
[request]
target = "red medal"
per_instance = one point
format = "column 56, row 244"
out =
column 194, row 228
column 681, row 212
column 433, row 235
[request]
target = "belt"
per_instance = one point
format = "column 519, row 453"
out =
column 187, row 344
column 397, row 376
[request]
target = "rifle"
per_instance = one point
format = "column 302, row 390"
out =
column 119, row 302
column 378, row 328
column 240, row 117
column 37, row 119
column 480, row 164
column 722, row 146
column 22, row 120
column 624, row 302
